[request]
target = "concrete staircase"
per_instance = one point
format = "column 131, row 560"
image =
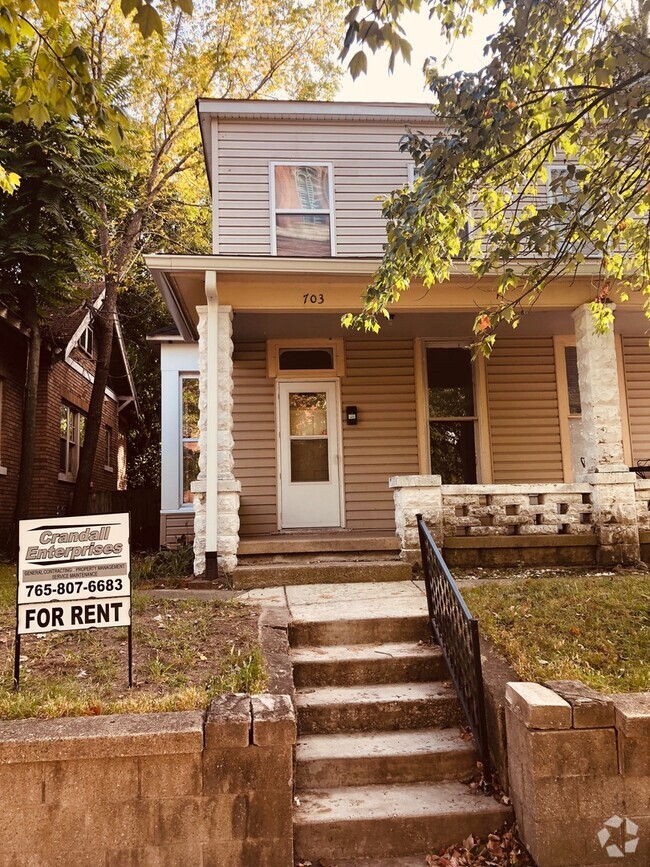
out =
column 379, row 754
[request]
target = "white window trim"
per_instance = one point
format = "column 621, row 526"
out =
column 83, row 340
column 72, row 410
column 329, row 211
column 3, row 469
column 181, row 439
column 273, row 348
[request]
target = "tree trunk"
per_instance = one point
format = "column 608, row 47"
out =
column 29, row 312
column 104, row 325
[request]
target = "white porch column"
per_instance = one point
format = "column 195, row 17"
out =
column 614, row 499
column 216, row 500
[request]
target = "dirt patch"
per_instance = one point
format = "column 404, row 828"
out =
column 184, row 653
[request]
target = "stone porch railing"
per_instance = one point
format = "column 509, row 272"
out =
column 606, row 512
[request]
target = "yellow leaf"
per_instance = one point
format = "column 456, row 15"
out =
column 39, row 114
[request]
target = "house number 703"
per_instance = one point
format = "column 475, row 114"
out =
column 313, row 299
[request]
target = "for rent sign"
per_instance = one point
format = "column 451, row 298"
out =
column 73, row 573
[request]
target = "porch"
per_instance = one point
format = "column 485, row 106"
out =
column 301, row 424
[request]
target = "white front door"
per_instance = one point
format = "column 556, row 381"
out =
column 308, row 414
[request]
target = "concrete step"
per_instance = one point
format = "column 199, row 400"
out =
column 390, row 821
column 390, row 707
column 369, row 629
column 363, row 759
column 314, row 572
column 318, row 542
column 345, row 665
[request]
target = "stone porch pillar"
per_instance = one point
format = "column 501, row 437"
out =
column 415, row 495
column 223, row 544
column 614, row 499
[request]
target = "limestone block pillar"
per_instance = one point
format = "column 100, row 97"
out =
column 199, row 486
column 602, row 425
column 228, row 488
column 415, row 495
column 613, row 498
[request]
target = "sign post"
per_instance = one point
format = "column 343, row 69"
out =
column 73, row 573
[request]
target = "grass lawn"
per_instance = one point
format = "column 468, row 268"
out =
column 592, row 629
column 184, row 653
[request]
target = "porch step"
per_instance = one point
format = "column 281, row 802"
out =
column 246, row 577
column 318, row 543
column 395, row 820
column 394, row 706
column 423, row 755
column 345, row 665
column 360, row 630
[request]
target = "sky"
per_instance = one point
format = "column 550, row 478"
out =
column 406, row 84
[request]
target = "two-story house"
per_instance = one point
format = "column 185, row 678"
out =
column 276, row 420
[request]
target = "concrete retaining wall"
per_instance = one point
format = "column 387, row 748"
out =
column 188, row 788
column 579, row 773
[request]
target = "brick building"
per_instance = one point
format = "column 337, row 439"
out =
column 66, row 380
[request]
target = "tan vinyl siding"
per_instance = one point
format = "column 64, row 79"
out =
column 380, row 382
column 254, row 435
column 174, row 526
column 636, row 358
column 366, row 160
column 523, row 412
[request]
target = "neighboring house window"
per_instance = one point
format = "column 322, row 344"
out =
column 452, row 415
column 87, row 340
column 302, row 210
column 189, row 436
column 72, row 431
column 108, row 448
column 414, row 173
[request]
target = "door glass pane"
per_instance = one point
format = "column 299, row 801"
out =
column 453, row 454
column 308, row 414
column 449, row 376
column 309, row 460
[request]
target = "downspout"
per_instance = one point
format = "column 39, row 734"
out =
column 212, row 428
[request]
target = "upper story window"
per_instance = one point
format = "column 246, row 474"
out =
column 301, row 203
column 87, row 340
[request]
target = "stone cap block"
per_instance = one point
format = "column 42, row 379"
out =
column 538, row 707
column 614, row 477
column 590, row 709
column 274, row 720
column 199, row 486
column 633, row 713
column 228, row 722
column 228, row 486
column 152, row 734
column 415, row 481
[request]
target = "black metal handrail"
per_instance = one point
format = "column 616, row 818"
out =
column 456, row 631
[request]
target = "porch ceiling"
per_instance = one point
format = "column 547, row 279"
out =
column 326, row 288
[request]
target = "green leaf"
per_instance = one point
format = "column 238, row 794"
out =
column 358, row 64
column 148, row 20
column 39, row 114
column 129, row 6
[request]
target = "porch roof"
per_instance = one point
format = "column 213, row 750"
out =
column 277, row 284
